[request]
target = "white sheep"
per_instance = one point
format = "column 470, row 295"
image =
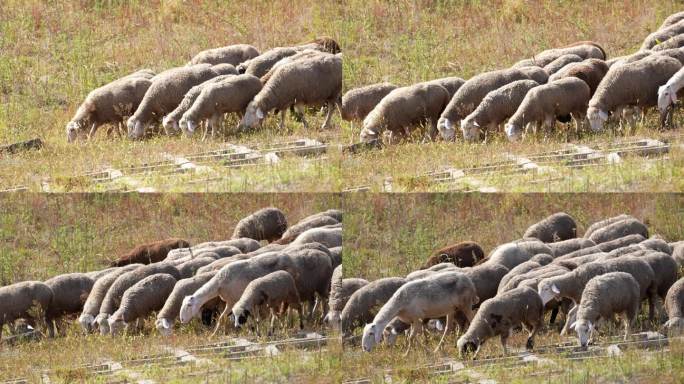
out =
column 433, row 297
column 232, row 54
column 145, row 296
column 604, row 296
column 340, row 292
column 667, row 93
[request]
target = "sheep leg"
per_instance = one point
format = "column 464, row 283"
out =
column 530, row 338
column 328, row 116
column 301, row 317
column 300, row 109
column 93, row 129
column 504, row 339
column 218, row 321
column 627, row 322
column 448, row 328
column 570, row 319
column 554, row 314
column 416, row 328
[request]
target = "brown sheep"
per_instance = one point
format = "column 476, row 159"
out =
column 150, row 252
column 463, row 254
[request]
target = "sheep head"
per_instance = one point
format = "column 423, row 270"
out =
column 189, row 309
column 666, row 97
column 470, row 129
column 170, row 125
column 467, row 346
column 116, row 325
column 596, row 118
column 371, row 336
column 547, row 291
column 583, row 328
column 241, row 316
column 252, row 117
column 513, row 132
column 163, row 325
column 87, row 321
column 136, row 128
column 446, row 129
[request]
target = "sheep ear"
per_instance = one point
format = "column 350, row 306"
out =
column 259, row 113
column 603, row 115
column 475, row 123
column 555, row 289
column 590, row 325
column 572, row 326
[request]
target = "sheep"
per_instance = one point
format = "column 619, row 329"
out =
column 171, row 121
column 190, row 267
column 604, row 296
column 185, row 287
column 336, row 256
column 357, row 103
column 304, row 225
column 24, row 300
column 222, row 249
column 603, row 223
column 495, row 108
column 265, row 224
column 565, row 247
column 561, row 62
column 607, row 246
column 657, row 244
column 451, row 84
column 323, row 44
column 471, row 93
column 665, row 271
column 541, row 272
column 244, row 244
column 667, row 93
column 404, row 108
column 112, row 299
column 97, row 275
column 70, row 292
column 309, row 81
column 542, row 104
column 302, row 55
column 230, row 95
column 509, row 255
column 486, row 278
column 630, row 85
column 463, row 254
column 91, row 307
column 499, row 315
column 363, row 303
column 328, row 236
column 275, row 291
column 522, row 269
column 232, row 54
column 662, row 35
column 150, row 252
column 671, row 44
column 310, row 267
column 533, row 246
column 145, row 296
column 678, row 253
column 557, row 227
column 165, row 93
column 619, row 229
column 584, row 49
column 674, row 306
column 340, row 292
column 440, row 295
column 111, row 103
column 261, row 64
column 591, row 71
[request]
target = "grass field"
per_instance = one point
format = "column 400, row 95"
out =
column 55, row 53
column 394, row 234
column 44, row 235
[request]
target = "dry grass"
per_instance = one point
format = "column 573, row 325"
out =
column 55, row 53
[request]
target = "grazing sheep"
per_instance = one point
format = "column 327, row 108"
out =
column 144, row 297
column 532, row 277
column 605, row 222
column 486, row 278
column 471, row 93
column 619, row 229
column 499, row 315
column 340, row 292
column 630, row 85
column 91, row 307
column 607, row 246
column 561, row 62
column 451, row 84
column 244, row 244
column 265, row 224
column 463, row 254
column 313, row 81
column 496, row 108
column 190, row 267
column 171, row 121
column 584, row 49
column 309, row 266
column 557, row 227
column 232, row 54
column 674, row 306
column 604, row 296
column 523, row 268
column 543, row 104
column 657, row 244
column 275, row 291
column 509, row 255
column 671, row 44
column 591, row 71
column 150, row 252
column 565, row 247
column 216, row 99
column 433, row 297
column 185, row 287
column 165, row 93
column 305, row 54
column 261, row 64
column 357, row 103
column 667, row 93
column 323, row 44
column 314, row 221
column 111, row 103
column 112, row 299
column 362, row 305
column 664, row 268
column 404, row 108
column 70, row 292
column 24, row 300
column 328, row 236
column 663, row 34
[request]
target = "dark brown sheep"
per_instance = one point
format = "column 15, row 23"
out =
column 463, row 254
column 150, row 253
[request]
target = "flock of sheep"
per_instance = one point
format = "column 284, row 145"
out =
column 179, row 281
column 607, row 272
column 573, row 83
